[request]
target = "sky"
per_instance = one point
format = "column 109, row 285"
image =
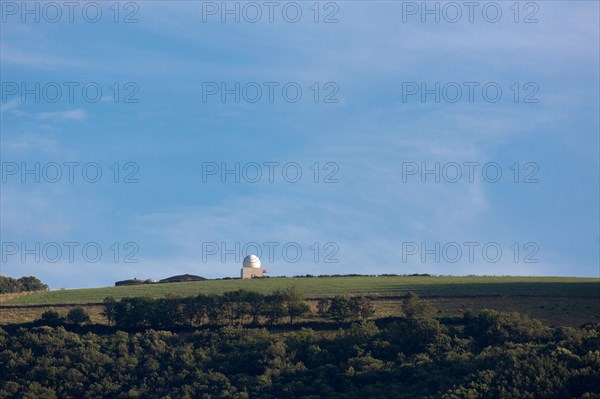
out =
column 148, row 138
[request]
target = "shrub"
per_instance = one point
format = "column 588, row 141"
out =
column 51, row 318
column 490, row 327
column 78, row 316
column 415, row 307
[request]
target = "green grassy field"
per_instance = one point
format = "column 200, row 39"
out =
column 553, row 300
column 329, row 286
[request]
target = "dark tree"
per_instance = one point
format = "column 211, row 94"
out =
column 32, row 283
column 413, row 306
column 9, row 285
column 78, row 316
column 361, row 307
column 110, row 309
column 295, row 304
column 340, row 308
column 51, row 318
column 274, row 308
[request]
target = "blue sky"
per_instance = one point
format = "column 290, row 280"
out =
column 364, row 213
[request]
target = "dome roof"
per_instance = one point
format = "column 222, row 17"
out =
column 252, row 261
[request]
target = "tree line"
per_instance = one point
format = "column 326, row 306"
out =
column 235, row 307
column 231, row 308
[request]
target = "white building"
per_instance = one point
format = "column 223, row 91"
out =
column 252, row 267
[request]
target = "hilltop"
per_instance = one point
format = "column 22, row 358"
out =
column 554, row 300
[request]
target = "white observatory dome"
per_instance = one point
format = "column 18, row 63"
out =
column 252, row 261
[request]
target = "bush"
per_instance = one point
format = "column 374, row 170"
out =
column 52, row 318
column 416, row 335
column 343, row 308
column 490, row 327
column 415, row 307
column 78, row 316
column 32, row 283
column 9, row 285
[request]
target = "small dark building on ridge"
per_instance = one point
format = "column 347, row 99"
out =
column 133, row 281
column 182, row 278
column 175, row 279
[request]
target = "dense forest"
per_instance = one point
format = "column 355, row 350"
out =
column 189, row 353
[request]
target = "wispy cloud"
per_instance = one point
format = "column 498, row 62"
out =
column 68, row 115
column 19, row 144
column 10, row 105
column 37, row 60
column 74, row 114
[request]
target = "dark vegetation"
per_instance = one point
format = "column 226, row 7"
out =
column 9, row 285
column 232, row 346
column 230, row 308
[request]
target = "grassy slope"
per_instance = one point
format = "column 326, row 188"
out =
column 318, row 287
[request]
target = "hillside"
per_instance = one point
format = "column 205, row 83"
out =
column 329, row 286
column 553, row 300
